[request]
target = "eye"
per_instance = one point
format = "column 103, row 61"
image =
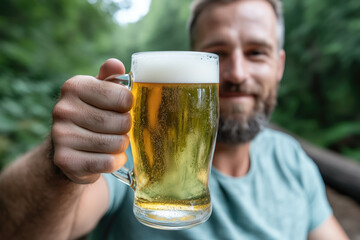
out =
column 219, row 51
column 255, row 53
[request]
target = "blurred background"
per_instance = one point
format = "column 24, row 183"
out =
column 43, row 43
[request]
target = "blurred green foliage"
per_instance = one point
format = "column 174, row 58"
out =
column 43, row 43
column 319, row 94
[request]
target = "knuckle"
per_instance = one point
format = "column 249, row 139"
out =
column 62, row 159
column 74, row 84
column 61, row 111
column 70, row 85
column 63, row 134
column 57, row 132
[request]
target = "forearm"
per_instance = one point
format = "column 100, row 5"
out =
column 89, row 132
column 330, row 230
column 36, row 200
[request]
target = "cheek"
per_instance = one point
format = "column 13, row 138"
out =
column 225, row 107
column 270, row 89
column 223, row 67
column 265, row 76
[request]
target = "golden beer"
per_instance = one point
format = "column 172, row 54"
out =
column 172, row 138
column 173, row 134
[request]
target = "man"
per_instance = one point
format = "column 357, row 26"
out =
column 262, row 187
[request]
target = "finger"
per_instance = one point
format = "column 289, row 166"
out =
column 82, row 166
column 100, row 94
column 72, row 136
column 110, row 67
column 92, row 118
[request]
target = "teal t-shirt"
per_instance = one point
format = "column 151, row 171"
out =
column 281, row 197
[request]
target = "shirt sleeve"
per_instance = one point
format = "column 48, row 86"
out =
column 319, row 207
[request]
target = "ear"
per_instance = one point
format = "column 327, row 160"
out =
column 281, row 65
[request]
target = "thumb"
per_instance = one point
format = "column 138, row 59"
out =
column 110, row 67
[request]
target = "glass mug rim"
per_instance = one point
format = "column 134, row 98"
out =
column 171, row 53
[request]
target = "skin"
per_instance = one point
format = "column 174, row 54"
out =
column 249, row 56
column 87, row 142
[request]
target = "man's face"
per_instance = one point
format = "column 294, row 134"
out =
column 243, row 34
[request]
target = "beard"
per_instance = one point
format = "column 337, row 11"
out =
column 238, row 127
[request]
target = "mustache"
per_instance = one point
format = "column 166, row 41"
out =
column 240, row 88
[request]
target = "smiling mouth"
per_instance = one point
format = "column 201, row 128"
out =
column 231, row 90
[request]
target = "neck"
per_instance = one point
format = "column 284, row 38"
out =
column 232, row 160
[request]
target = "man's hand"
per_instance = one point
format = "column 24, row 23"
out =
column 90, row 125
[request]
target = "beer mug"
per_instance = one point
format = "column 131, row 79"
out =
column 173, row 135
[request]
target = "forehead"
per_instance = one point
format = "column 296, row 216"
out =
column 244, row 20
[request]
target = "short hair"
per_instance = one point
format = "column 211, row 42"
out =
column 198, row 6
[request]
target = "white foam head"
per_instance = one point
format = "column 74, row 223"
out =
column 175, row 67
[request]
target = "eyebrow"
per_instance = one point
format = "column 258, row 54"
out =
column 213, row 44
column 262, row 43
column 221, row 42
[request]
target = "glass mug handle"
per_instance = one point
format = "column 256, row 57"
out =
column 124, row 174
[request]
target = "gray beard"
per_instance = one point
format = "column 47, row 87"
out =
column 237, row 128
column 235, row 131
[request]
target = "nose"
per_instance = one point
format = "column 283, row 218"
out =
column 234, row 68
